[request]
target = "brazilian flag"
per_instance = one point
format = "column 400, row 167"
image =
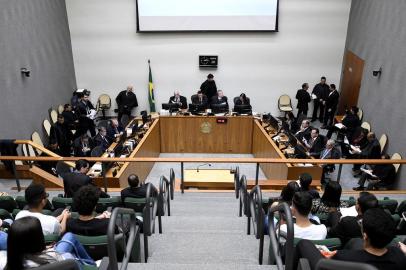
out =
column 151, row 98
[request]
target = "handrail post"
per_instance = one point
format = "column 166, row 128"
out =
column 104, row 172
column 13, row 165
column 340, row 167
column 257, row 174
column 181, row 178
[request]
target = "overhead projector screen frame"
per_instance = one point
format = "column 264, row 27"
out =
column 203, row 30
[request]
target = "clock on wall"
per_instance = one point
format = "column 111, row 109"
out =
column 208, row 61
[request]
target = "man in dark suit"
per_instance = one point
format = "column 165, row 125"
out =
column 348, row 227
column 315, row 144
column 220, row 98
column 178, row 99
column 303, row 99
column 82, row 146
column 114, row 130
column 73, row 181
column 84, row 108
column 101, row 139
column 126, row 101
column 329, row 152
column 382, row 175
column 304, row 131
column 320, row 91
column 371, row 151
column 331, row 105
column 200, row 99
column 135, row 189
column 61, row 134
column 71, row 119
column 209, row 87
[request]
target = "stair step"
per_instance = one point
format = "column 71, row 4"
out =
column 184, row 266
column 204, row 224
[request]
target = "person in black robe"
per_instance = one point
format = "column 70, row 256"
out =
column 331, row 105
column 209, row 87
column 61, row 134
column 303, row 99
column 177, row 98
column 126, row 101
column 320, row 91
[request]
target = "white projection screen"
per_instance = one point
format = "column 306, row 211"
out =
column 207, row 15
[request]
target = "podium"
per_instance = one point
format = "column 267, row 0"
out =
column 208, row 179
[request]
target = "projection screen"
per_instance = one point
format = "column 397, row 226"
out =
column 206, row 15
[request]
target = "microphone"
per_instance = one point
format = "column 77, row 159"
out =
column 201, row 165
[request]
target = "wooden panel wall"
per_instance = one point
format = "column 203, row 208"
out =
column 182, row 134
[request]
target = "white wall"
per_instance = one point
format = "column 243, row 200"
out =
column 109, row 54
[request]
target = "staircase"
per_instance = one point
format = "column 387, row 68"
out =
column 203, row 232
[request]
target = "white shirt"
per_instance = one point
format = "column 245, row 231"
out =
column 49, row 224
column 312, row 232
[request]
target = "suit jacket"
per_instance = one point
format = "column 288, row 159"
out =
column 209, row 88
column 78, row 149
column 334, row 153
column 317, row 146
column 72, row 181
column 182, row 99
column 126, row 101
column 111, row 132
column 304, row 134
column 321, row 91
column 332, row 100
column 99, row 140
column 303, row 99
column 138, row 192
column 385, row 172
column 84, row 107
column 195, row 100
column 372, row 150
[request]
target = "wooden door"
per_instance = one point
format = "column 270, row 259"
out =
column 351, row 81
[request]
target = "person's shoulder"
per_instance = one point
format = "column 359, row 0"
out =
column 22, row 213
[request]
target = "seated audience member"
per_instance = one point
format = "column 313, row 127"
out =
column 82, row 146
column 26, row 247
column 177, row 98
column 37, row 198
column 381, row 176
column 350, row 122
column 85, row 201
column 136, row 189
column 378, row 230
column 73, row 181
column 371, row 151
column 287, row 193
column 359, row 140
column 304, row 228
column 291, row 123
column 101, row 139
column 200, row 99
column 242, row 100
column 304, row 131
column 315, row 144
column 330, row 152
column 114, row 130
column 61, row 134
column 330, row 200
column 220, row 98
column 71, row 119
column 305, row 180
column 46, row 165
column 348, row 227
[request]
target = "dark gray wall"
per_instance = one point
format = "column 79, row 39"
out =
column 33, row 34
column 377, row 34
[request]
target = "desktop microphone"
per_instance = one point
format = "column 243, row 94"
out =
column 201, row 165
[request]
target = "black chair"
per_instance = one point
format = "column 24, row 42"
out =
column 164, row 200
column 66, row 265
column 257, row 217
column 325, row 264
column 97, row 151
column 237, row 182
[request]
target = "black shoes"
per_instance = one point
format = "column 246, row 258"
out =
column 358, row 188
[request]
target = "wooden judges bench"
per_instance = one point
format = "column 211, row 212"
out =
column 206, row 134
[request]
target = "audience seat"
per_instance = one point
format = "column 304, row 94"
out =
column 53, row 115
column 360, row 114
column 105, row 203
column 285, row 104
column 36, row 138
column 103, row 104
column 366, row 125
column 383, row 140
column 60, row 109
column 330, row 243
column 47, row 127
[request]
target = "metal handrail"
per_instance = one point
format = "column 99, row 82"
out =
column 274, row 243
column 257, row 218
column 149, row 215
column 237, row 182
column 112, row 237
column 163, row 200
column 172, row 183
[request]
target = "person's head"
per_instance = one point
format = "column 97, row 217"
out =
column 330, row 144
column 314, row 133
column 378, row 228
column 199, row 94
column 84, row 139
column 243, row 97
column 354, row 109
column 332, row 194
column 301, row 203
column 82, row 166
column 176, row 93
column 210, row 77
column 288, row 191
column 305, row 123
column 85, row 200
column 25, row 237
column 332, row 87
column 102, row 131
column 305, row 180
column 220, row 93
column 371, row 136
column 53, row 144
column 305, row 86
column 61, row 119
column 85, row 97
column 366, row 201
column 36, row 196
column 323, row 80
column 67, row 107
column 133, row 180
column 114, row 122
column 130, row 88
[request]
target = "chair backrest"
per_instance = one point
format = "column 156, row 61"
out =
column 397, row 165
column 54, row 116
column 60, row 108
column 97, row 151
column 326, row 264
column 105, row 203
column 284, row 100
column 104, row 101
column 66, row 265
column 237, row 182
column 8, row 203
column 360, row 114
column 59, row 202
column 383, row 141
column 366, row 125
column 37, row 139
column 28, row 150
column 389, row 204
column 47, row 127
column 172, row 182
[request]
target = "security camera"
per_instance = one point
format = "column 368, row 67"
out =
column 377, row 73
column 26, row 72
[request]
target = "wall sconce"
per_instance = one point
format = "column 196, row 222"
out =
column 26, row 72
column 377, row 73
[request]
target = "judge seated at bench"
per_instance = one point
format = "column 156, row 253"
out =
column 177, row 98
column 219, row 99
column 200, row 99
